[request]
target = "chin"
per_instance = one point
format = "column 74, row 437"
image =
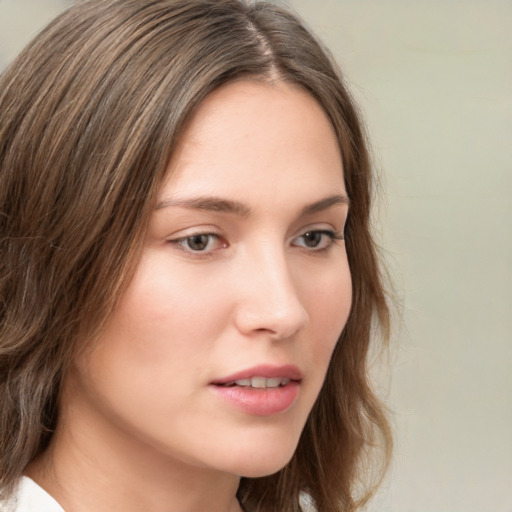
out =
column 260, row 471
column 264, row 458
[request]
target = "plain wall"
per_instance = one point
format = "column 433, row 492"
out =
column 434, row 80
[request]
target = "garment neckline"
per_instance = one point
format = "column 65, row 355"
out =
column 31, row 497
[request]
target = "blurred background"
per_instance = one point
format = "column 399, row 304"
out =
column 434, row 81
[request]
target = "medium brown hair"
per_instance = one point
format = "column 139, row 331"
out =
column 90, row 113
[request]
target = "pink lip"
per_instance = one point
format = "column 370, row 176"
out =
column 260, row 401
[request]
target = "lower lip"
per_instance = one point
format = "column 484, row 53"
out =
column 260, row 401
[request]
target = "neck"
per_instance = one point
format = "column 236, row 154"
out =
column 92, row 467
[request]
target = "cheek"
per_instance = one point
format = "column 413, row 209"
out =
column 160, row 333
column 329, row 304
column 153, row 354
column 167, row 311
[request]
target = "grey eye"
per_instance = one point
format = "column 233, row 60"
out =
column 312, row 238
column 197, row 242
column 317, row 239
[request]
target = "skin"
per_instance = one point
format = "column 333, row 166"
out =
column 140, row 427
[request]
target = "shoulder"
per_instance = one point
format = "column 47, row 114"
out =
column 30, row 497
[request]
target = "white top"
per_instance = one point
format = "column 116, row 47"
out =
column 31, row 498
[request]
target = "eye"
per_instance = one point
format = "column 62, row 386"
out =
column 199, row 243
column 318, row 239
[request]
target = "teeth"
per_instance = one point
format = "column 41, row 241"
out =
column 262, row 382
column 273, row 383
column 259, row 382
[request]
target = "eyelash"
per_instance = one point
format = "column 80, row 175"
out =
column 181, row 243
column 333, row 237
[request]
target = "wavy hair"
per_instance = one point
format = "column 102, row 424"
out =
column 91, row 111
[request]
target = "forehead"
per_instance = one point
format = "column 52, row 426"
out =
column 247, row 135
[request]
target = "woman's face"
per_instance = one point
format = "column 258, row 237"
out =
column 218, row 348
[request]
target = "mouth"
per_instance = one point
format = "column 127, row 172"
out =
column 263, row 376
column 261, row 391
column 258, row 383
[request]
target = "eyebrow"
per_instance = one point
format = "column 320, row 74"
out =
column 208, row 203
column 218, row 204
column 324, row 204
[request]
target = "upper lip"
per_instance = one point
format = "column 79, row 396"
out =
column 289, row 371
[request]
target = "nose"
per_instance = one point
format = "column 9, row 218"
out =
column 267, row 298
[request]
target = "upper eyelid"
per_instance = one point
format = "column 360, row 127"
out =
column 326, row 227
column 334, row 235
column 178, row 239
column 180, row 244
column 213, row 232
column 191, row 235
column 194, row 231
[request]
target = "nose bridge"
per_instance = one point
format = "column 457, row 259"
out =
column 269, row 299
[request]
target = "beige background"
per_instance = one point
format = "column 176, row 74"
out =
column 434, row 79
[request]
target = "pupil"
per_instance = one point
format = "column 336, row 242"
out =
column 198, row 242
column 312, row 239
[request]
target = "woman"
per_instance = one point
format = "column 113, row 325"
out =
column 186, row 301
